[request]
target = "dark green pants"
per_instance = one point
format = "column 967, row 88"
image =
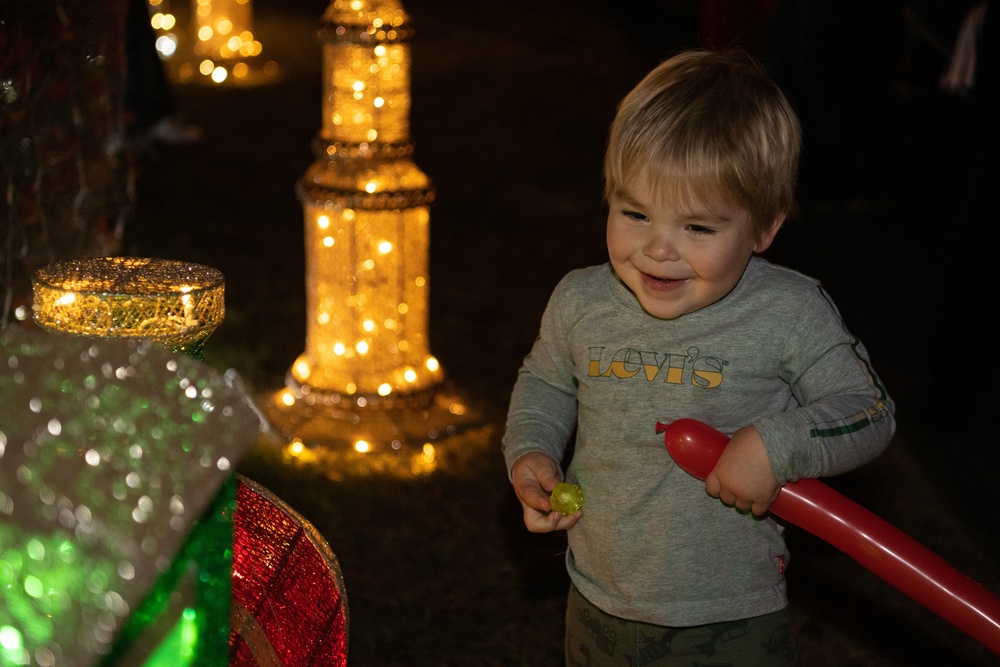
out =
column 596, row 639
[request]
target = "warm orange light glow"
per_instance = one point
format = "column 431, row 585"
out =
column 174, row 303
column 224, row 47
column 366, row 396
column 366, row 215
column 298, row 452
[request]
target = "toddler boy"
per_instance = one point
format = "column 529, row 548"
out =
column 686, row 320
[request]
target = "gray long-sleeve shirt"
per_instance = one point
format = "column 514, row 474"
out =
column 652, row 546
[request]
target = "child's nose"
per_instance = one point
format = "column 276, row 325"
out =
column 660, row 247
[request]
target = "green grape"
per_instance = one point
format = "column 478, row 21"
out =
column 566, row 498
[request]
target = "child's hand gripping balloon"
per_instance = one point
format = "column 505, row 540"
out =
column 879, row 546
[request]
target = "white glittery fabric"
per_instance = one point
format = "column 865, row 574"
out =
column 110, row 450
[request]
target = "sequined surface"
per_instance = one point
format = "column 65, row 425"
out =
column 178, row 304
column 289, row 603
column 110, row 451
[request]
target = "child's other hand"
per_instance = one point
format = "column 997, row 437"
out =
column 743, row 477
column 534, row 475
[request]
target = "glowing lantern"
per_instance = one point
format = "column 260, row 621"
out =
column 176, row 304
column 366, row 216
column 225, row 50
column 367, row 396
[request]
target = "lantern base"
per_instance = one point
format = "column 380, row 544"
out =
column 403, row 435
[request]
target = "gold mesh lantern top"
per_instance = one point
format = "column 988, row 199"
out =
column 173, row 303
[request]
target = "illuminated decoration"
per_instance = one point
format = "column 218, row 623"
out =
column 224, row 47
column 289, row 602
column 164, row 23
column 367, row 378
column 367, row 222
column 176, row 304
column 116, row 502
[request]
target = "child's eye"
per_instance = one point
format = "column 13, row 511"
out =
column 633, row 215
column 701, row 229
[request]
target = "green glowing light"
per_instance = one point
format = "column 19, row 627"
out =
column 178, row 648
column 33, row 586
column 7, row 576
column 189, row 634
column 67, row 551
column 36, row 550
column 13, row 557
column 10, row 638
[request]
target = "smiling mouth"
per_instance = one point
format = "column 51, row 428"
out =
column 661, row 284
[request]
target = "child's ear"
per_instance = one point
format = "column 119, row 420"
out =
column 765, row 240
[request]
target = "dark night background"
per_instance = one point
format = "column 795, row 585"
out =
column 510, row 107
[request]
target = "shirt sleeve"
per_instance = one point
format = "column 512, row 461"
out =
column 543, row 406
column 541, row 419
column 845, row 416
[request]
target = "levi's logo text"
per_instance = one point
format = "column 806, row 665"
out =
column 690, row 367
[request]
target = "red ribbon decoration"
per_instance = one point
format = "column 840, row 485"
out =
column 879, row 546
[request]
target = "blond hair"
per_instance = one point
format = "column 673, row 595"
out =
column 709, row 123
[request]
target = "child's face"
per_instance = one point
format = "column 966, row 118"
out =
column 678, row 256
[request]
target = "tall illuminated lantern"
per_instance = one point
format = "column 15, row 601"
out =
column 366, row 215
column 367, row 238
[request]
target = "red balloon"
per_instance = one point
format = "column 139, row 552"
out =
column 879, row 546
